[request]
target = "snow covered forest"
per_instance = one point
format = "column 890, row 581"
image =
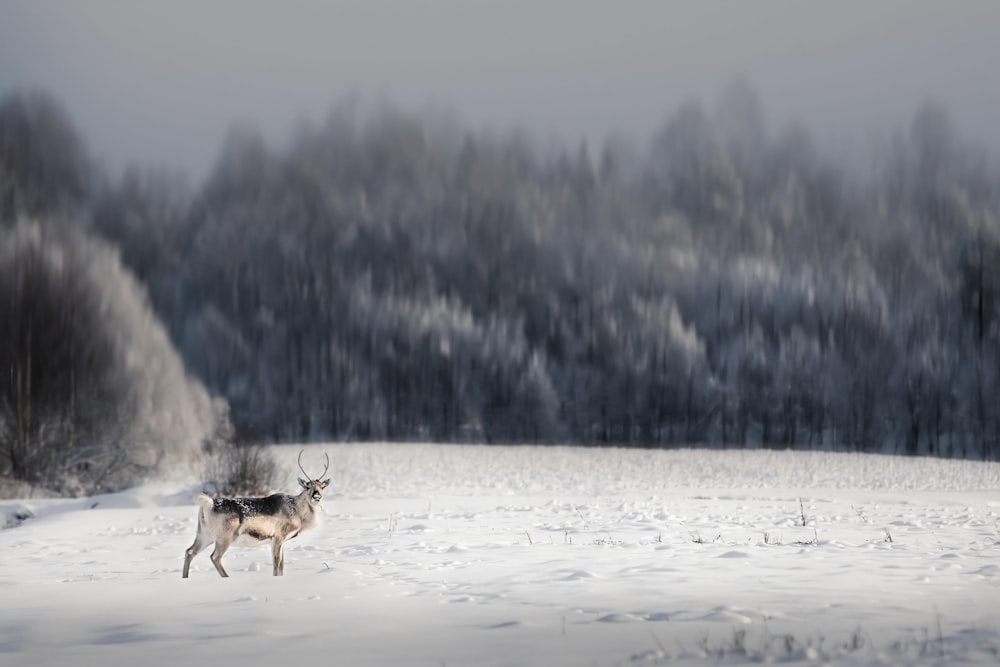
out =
column 387, row 275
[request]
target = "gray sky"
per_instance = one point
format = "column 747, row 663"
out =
column 160, row 82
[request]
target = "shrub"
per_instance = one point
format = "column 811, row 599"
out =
column 241, row 470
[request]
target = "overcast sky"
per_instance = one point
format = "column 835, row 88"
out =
column 160, row 82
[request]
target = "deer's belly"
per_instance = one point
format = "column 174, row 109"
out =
column 257, row 532
column 251, row 539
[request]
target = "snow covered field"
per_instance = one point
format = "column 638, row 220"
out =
column 472, row 555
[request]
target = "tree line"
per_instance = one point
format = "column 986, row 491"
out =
column 387, row 275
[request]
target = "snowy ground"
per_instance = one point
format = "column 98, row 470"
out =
column 470, row 555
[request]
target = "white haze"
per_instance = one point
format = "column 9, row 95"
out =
column 161, row 82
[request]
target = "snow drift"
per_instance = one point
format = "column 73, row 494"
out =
column 486, row 556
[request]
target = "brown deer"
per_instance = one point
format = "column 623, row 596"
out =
column 253, row 521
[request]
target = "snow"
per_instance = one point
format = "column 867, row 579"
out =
column 488, row 556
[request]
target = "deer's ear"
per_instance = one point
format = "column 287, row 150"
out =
column 325, row 482
column 303, row 483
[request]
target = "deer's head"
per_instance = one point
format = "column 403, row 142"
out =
column 314, row 486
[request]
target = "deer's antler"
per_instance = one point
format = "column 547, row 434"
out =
column 300, row 465
column 307, row 474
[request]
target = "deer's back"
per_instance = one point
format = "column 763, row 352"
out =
column 248, row 508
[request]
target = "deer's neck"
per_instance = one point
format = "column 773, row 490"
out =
column 306, row 511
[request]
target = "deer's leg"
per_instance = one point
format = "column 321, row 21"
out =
column 222, row 543
column 278, row 550
column 192, row 551
column 220, row 548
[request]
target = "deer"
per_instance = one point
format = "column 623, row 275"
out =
column 253, row 521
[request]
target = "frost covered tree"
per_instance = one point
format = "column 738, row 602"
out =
column 44, row 167
column 394, row 275
column 92, row 395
